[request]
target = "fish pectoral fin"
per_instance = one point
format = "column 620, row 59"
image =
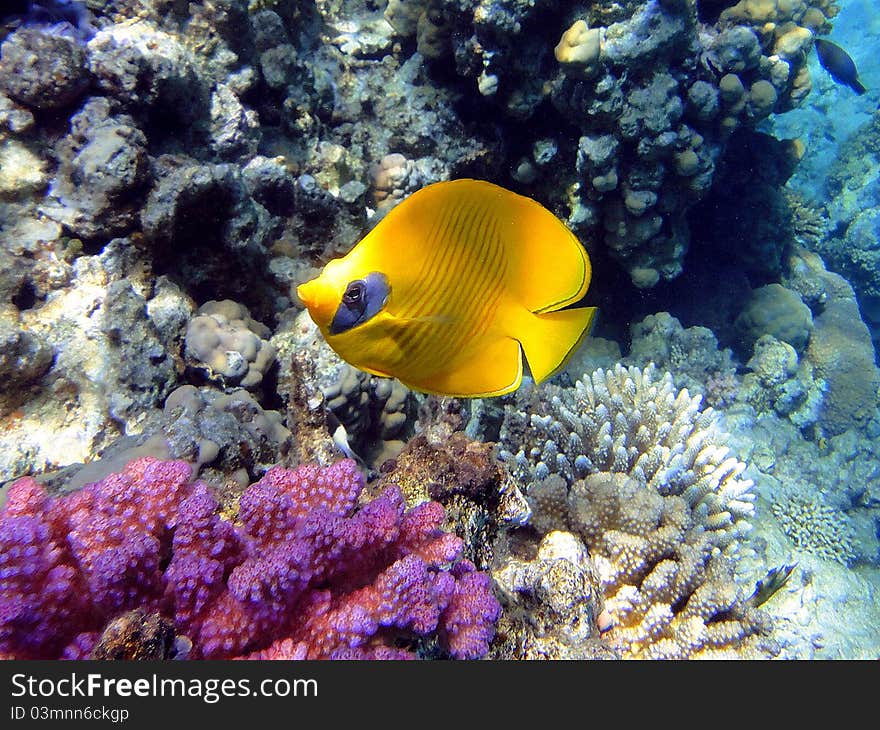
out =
column 549, row 339
column 484, row 370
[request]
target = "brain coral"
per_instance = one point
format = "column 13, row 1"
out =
column 775, row 310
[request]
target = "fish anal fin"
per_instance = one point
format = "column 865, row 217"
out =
column 549, row 339
column 482, row 371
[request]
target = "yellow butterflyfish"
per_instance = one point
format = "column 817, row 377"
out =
column 452, row 287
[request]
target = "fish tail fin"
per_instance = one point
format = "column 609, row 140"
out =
column 549, row 339
column 858, row 87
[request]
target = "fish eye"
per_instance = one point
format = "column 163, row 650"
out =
column 361, row 300
column 353, row 297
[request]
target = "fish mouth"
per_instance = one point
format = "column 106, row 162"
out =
column 308, row 293
column 319, row 299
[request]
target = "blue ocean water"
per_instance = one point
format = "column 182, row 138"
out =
column 834, row 113
column 171, row 175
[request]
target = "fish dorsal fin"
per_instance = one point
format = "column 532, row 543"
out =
column 547, row 267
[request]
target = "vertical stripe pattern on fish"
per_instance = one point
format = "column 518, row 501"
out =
column 449, row 290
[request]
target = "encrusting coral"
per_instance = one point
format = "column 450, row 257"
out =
column 302, row 572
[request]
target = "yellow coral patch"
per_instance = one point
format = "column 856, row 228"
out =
column 580, row 47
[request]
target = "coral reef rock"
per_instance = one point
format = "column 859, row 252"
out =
column 551, row 604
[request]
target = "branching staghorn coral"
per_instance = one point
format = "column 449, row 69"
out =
column 639, row 472
column 627, row 421
column 815, row 527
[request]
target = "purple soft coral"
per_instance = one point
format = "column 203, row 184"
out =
column 308, row 574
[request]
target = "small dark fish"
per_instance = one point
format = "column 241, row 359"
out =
column 770, row 584
column 839, row 64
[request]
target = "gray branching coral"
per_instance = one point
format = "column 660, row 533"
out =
column 815, row 527
column 627, row 421
column 638, row 471
column 374, row 411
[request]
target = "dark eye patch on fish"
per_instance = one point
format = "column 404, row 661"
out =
column 354, row 297
column 362, row 300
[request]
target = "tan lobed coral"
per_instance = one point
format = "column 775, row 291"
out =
column 223, row 340
column 374, row 411
column 814, row 14
column 668, row 590
column 580, row 48
column 785, row 29
column 395, row 176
